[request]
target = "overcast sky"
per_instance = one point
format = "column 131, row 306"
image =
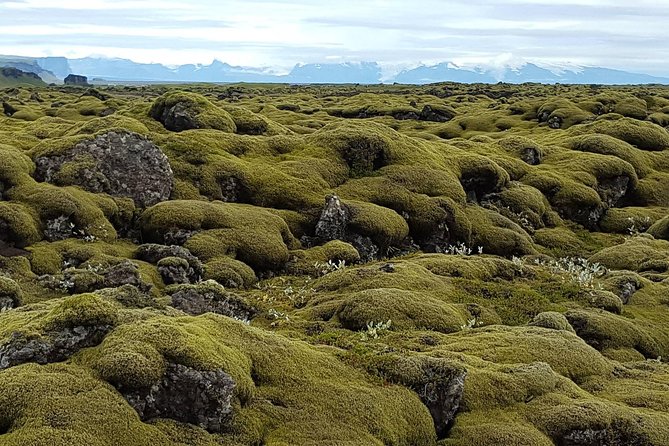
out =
column 624, row 34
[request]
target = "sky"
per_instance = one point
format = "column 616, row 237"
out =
column 396, row 33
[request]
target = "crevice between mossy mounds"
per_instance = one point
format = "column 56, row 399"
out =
column 52, row 347
column 77, row 281
column 202, row 398
column 612, row 192
column 439, row 384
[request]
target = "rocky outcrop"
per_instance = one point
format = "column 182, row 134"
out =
column 8, row 109
column 531, row 156
column 76, row 80
column 210, row 297
column 121, row 164
column 52, row 347
column 333, row 225
column 334, row 218
column 85, row 280
column 612, row 190
column 202, row 398
column 190, row 270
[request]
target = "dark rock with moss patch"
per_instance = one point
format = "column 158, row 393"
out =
column 11, row 295
column 612, row 190
column 333, row 224
column 210, row 297
column 8, row 109
column 173, row 271
column 122, row 164
column 334, row 218
column 439, row 384
column 52, row 347
column 202, row 398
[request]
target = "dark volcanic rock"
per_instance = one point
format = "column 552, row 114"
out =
column 76, row 80
column 334, row 218
column 210, row 297
column 612, row 190
column 177, row 118
column 555, row 122
column 121, row 164
column 202, row 398
column 59, row 228
column 154, row 253
column 124, row 273
column 174, row 270
column 435, row 115
column 8, row 109
column 53, row 347
column 614, row 436
column 333, row 225
column 531, row 156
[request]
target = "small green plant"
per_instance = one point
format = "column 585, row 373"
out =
column 579, row 270
column 638, row 226
column 324, row 268
column 374, row 330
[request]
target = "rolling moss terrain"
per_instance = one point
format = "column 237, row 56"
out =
column 334, row 265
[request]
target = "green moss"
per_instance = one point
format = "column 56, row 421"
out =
column 11, row 290
column 660, row 229
column 643, row 135
column 63, row 405
column 633, row 253
column 405, row 309
column 306, row 382
column 229, row 272
column 607, row 331
column 81, row 310
column 252, row 235
column 21, row 225
column 552, row 320
column 304, row 262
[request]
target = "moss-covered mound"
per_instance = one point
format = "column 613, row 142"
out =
column 278, row 265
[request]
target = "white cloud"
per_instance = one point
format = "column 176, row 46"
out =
column 395, row 32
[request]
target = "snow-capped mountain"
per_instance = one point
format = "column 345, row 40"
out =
column 118, row 70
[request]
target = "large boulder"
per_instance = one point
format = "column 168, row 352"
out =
column 76, row 80
column 52, row 347
column 203, row 398
column 210, row 297
column 122, row 164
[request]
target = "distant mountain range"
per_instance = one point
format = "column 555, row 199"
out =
column 55, row 69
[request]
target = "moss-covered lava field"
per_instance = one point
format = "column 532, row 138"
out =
column 274, row 265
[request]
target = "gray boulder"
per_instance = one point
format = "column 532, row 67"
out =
column 172, row 271
column 210, row 297
column 122, row 164
column 202, row 398
column 52, row 347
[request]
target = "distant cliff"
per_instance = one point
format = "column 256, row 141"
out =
column 10, row 76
